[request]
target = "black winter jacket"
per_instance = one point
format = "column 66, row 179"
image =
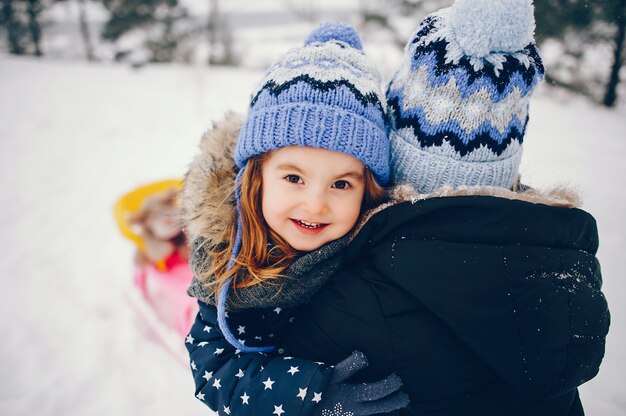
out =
column 483, row 306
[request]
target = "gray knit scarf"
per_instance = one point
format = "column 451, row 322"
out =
column 301, row 280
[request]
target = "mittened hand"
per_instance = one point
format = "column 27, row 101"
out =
column 345, row 399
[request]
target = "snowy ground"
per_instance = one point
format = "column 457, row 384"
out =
column 74, row 137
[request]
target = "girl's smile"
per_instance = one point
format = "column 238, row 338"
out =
column 309, row 227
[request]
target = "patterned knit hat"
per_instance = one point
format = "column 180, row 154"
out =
column 458, row 105
column 326, row 94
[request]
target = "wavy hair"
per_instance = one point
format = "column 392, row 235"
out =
column 259, row 262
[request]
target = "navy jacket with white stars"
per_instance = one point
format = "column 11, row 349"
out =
column 250, row 384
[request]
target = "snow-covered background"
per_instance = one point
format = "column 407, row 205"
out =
column 75, row 136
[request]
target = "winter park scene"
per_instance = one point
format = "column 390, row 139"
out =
column 103, row 105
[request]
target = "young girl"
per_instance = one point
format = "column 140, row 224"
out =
column 310, row 157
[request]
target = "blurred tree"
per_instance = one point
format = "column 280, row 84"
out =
column 610, row 97
column 220, row 38
column 85, row 33
column 578, row 25
column 14, row 27
column 555, row 17
column 156, row 17
column 34, row 9
column 21, row 19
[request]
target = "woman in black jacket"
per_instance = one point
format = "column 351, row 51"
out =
column 483, row 302
column 483, row 296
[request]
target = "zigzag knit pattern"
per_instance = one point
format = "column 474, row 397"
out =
column 443, row 99
column 326, row 94
column 446, row 106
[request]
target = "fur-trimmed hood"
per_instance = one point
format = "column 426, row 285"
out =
column 209, row 183
column 207, row 197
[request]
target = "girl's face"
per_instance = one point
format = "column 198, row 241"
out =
column 311, row 196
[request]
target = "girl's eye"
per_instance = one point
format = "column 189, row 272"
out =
column 341, row 185
column 293, row 179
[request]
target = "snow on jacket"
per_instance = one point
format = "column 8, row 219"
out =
column 484, row 301
column 227, row 381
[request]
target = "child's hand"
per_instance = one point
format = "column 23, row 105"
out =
column 341, row 398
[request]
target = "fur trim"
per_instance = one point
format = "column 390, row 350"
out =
column 559, row 196
column 206, row 199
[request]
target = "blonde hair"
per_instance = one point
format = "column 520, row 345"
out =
column 256, row 261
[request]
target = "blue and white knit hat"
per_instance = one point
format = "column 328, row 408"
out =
column 458, row 105
column 327, row 95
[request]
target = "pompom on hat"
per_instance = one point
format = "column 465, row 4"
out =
column 458, row 105
column 325, row 94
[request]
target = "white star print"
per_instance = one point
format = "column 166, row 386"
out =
column 189, row 339
column 293, row 370
column 200, row 396
column 207, row 375
column 316, row 397
column 227, row 410
column 241, row 329
column 239, row 374
column 207, row 329
column 203, row 344
column 245, row 398
column 287, row 358
column 278, row 410
column 277, row 310
column 268, row 383
column 302, row 393
column 226, row 314
column 193, row 366
column 218, row 351
column 217, row 384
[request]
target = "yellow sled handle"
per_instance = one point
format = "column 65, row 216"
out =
column 131, row 202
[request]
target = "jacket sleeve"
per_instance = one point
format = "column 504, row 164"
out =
column 249, row 384
column 536, row 315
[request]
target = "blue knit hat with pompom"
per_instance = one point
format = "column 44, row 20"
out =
column 458, row 105
column 325, row 94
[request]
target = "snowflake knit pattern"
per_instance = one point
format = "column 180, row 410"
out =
column 458, row 105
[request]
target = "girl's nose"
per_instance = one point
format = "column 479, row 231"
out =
column 315, row 202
